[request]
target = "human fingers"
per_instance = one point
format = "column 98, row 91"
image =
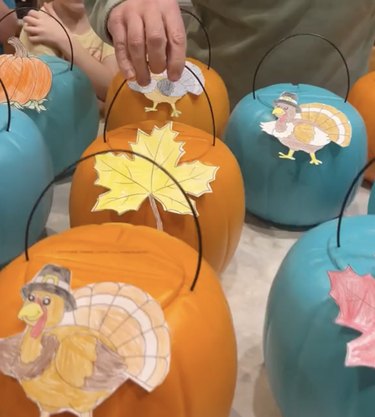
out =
column 136, row 45
column 156, row 40
column 32, row 30
column 116, row 27
column 176, row 43
column 33, row 13
column 31, row 21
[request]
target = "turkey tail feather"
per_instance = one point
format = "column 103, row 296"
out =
column 330, row 120
column 132, row 322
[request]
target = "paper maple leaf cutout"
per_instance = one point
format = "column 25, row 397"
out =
column 132, row 179
column 355, row 296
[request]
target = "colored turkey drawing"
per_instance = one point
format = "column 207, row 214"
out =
column 161, row 90
column 80, row 346
column 132, row 179
column 27, row 78
column 307, row 127
column 355, row 296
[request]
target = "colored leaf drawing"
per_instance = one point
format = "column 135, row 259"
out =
column 355, row 297
column 132, row 179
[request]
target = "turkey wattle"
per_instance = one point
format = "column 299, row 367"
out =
column 307, row 127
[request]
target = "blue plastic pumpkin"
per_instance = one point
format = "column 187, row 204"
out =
column 25, row 169
column 304, row 187
column 304, row 348
column 71, row 119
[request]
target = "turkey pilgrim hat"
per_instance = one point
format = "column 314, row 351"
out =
column 55, row 280
column 288, row 98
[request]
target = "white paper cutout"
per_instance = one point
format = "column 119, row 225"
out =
column 161, row 90
column 80, row 346
column 307, row 127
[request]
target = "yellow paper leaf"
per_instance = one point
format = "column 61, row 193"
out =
column 132, row 179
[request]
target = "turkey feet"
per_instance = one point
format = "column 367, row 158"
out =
column 289, row 155
column 175, row 112
column 153, row 108
column 314, row 161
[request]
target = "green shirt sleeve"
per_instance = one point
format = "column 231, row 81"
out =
column 98, row 12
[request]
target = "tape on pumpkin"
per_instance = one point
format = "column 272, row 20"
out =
column 56, row 20
column 316, row 35
column 67, row 172
column 346, row 199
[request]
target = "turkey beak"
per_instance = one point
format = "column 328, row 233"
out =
column 278, row 112
column 30, row 313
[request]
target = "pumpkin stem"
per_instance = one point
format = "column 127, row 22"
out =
column 155, row 211
column 21, row 51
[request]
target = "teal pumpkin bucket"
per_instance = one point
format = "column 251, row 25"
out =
column 71, row 119
column 68, row 116
column 25, row 169
column 296, row 193
column 304, row 349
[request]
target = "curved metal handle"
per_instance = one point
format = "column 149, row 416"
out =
column 106, row 120
column 346, row 199
column 67, row 172
column 316, row 35
column 8, row 104
column 205, row 33
column 56, row 20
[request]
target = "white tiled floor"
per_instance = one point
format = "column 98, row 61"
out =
column 246, row 283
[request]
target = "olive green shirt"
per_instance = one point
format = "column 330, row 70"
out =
column 242, row 31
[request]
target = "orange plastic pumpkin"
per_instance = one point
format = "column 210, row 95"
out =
column 27, row 78
column 362, row 98
column 221, row 212
column 133, row 106
column 202, row 374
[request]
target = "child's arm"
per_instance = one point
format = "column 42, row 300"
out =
column 42, row 29
column 100, row 73
column 9, row 26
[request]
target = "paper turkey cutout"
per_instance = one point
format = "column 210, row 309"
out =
column 307, row 127
column 161, row 90
column 80, row 346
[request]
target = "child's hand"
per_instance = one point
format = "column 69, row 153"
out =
column 43, row 29
column 152, row 28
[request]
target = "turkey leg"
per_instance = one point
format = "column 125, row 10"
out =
column 289, row 155
column 153, row 108
column 314, row 160
column 44, row 414
column 88, row 414
column 175, row 112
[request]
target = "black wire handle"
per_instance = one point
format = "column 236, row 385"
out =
column 106, row 121
column 205, row 33
column 56, row 20
column 347, row 196
column 8, row 104
column 316, row 35
column 67, row 172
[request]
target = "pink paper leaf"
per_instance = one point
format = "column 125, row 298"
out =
column 355, row 296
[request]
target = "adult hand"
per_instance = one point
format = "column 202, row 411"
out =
column 43, row 29
column 148, row 30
